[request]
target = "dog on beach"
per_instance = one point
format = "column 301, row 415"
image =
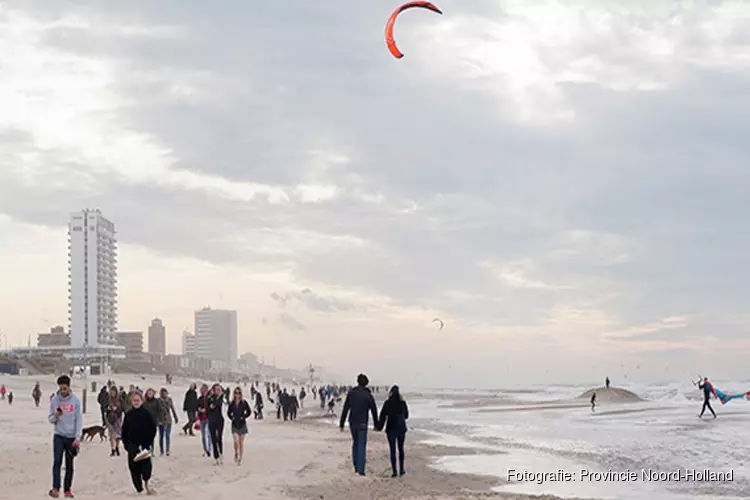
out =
column 92, row 431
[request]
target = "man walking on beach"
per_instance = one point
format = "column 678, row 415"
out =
column 66, row 415
column 359, row 405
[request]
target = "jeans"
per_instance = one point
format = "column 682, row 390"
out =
column 397, row 440
column 165, row 431
column 62, row 446
column 205, row 437
column 359, row 447
column 216, row 428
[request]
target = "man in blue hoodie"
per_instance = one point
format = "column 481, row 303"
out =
column 66, row 415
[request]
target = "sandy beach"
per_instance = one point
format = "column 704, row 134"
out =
column 307, row 459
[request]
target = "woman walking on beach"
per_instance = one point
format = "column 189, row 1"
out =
column 203, row 420
column 258, row 406
column 138, row 433
column 396, row 412
column 151, row 404
column 164, row 419
column 216, row 422
column 113, row 413
column 238, row 413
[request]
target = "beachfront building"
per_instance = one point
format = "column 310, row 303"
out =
column 216, row 336
column 92, row 280
column 188, row 344
column 157, row 337
column 57, row 337
column 133, row 344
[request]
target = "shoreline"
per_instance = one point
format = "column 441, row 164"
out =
column 424, row 480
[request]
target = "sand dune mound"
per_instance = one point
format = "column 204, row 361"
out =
column 611, row 395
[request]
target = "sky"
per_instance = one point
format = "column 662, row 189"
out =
column 564, row 184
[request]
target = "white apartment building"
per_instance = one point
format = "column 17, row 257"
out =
column 216, row 335
column 188, row 344
column 92, row 280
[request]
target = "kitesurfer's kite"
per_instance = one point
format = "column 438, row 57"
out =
column 724, row 397
column 392, row 20
column 438, row 320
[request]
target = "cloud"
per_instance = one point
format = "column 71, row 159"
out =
column 565, row 172
column 290, row 323
column 313, row 301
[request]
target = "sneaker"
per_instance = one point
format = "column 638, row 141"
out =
column 54, row 493
column 167, row 452
column 69, row 494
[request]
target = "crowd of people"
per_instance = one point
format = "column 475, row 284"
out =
column 134, row 418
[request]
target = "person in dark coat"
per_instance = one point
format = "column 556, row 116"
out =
column 285, row 404
column 190, row 406
column 138, row 433
column 358, row 405
column 293, row 405
column 103, row 400
column 215, row 401
column 151, row 404
column 393, row 417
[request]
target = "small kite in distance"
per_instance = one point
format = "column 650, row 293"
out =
column 438, row 320
column 389, row 40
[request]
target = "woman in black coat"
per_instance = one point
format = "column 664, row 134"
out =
column 138, row 432
column 395, row 412
column 214, row 402
column 190, row 406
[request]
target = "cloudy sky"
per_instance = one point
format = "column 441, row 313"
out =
column 565, row 184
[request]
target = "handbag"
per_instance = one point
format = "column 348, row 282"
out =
column 197, row 426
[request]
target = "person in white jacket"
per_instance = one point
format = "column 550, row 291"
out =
column 66, row 414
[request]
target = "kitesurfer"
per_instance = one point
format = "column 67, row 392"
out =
column 707, row 391
column 593, row 402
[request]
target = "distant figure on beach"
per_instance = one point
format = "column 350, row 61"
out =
column 138, row 433
column 66, row 414
column 302, row 395
column 103, row 400
column 393, row 416
column 4, row 390
column 36, row 394
column 606, row 382
column 593, row 402
column 190, row 406
column 293, row 405
column 358, row 405
column 706, row 386
column 10, row 398
column 258, row 406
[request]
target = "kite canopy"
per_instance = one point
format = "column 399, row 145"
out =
column 389, row 40
column 724, row 397
column 438, row 320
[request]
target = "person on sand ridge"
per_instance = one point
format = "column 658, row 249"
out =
column 593, row 402
column 606, row 382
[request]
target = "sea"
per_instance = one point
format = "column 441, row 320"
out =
column 656, row 449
